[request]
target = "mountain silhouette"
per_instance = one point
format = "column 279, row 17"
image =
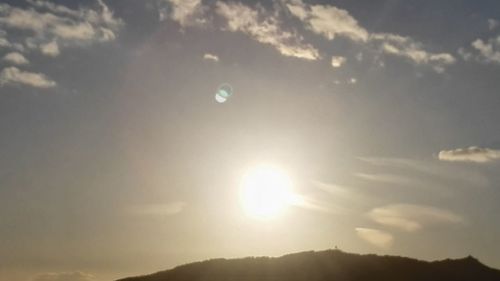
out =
column 329, row 265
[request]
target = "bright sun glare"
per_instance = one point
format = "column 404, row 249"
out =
column 265, row 192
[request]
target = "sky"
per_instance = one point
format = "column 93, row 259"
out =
column 116, row 159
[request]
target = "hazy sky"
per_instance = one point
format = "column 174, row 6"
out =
column 116, row 160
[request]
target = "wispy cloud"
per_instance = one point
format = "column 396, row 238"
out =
column 337, row 198
column 313, row 205
column 493, row 24
column 386, row 178
column 165, row 209
column 211, row 57
column 375, row 237
column 50, row 49
column 483, row 50
column 265, row 28
column 64, row 276
column 471, row 154
column 331, row 22
column 50, row 22
column 410, row 218
column 433, row 172
column 489, row 50
column 47, row 27
column 408, row 48
column 15, row 58
column 12, row 75
column 328, row 21
column 338, row 61
column 187, row 12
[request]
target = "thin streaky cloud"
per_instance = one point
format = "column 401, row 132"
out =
column 432, row 168
column 411, row 218
column 211, row 57
column 13, row 75
column 64, row 276
column 472, row 154
column 378, row 238
column 164, row 209
column 331, row 22
column 265, row 28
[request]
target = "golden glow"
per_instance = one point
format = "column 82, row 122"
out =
column 266, row 191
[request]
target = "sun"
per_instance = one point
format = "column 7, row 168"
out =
column 266, row 191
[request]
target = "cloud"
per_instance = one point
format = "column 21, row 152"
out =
column 434, row 172
column 411, row 218
column 328, row 21
column 333, row 189
column 4, row 43
column 186, row 12
column 338, row 61
column 338, row 199
column 488, row 51
column 386, row 178
column 12, row 75
column 412, row 50
column 64, row 276
column 15, row 58
column 331, row 22
column 375, row 237
column 166, row 209
column 493, row 24
column 45, row 22
column 211, row 57
column 471, row 154
column 483, row 50
column 47, row 27
column 314, row 205
column 265, row 28
column 50, row 49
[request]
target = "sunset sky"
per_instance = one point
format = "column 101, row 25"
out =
column 382, row 117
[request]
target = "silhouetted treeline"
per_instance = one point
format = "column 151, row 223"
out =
column 330, row 265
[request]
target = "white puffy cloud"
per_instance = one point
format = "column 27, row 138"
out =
column 331, row 22
column 328, row 21
column 15, row 58
column 265, row 28
column 12, row 75
column 488, row 51
column 410, row 218
column 166, row 209
column 50, row 49
column 471, row 154
column 186, row 12
column 338, row 61
column 64, row 276
column 410, row 49
column 47, row 27
column 46, row 22
column 375, row 237
column 211, row 57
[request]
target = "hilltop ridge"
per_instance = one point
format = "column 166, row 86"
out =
column 328, row 265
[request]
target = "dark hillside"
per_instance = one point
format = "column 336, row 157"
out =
column 328, row 265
